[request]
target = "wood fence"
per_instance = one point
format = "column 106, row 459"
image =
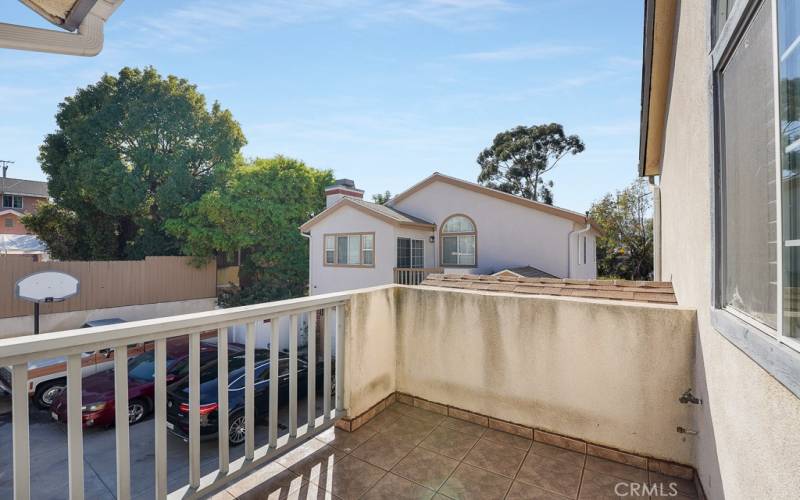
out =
column 109, row 283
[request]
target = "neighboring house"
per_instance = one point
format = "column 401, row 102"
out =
column 19, row 197
column 720, row 139
column 443, row 224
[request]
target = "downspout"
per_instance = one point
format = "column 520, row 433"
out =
column 656, row 228
column 308, row 237
column 575, row 232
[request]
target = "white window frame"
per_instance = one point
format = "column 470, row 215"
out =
column 458, row 234
column 14, row 197
column 411, row 242
column 362, row 236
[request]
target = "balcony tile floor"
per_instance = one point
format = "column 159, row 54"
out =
column 410, row 453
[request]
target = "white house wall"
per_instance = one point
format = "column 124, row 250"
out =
column 509, row 235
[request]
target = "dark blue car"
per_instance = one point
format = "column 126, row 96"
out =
column 178, row 394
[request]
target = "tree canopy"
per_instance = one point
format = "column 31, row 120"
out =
column 258, row 210
column 625, row 249
column 382, row 198
column 129, row 152
column 517, row 159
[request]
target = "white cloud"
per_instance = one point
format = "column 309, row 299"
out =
column 522, row 53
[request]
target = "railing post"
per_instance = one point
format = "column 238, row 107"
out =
column 74, row 427
column 121, row 422
column 311, row 396
column 326, row 364
column 222, row 400
column 340, row 354
column 293, row 333
column 249, row 391
column 160, row 407
column 274, row 382
column 194, row 410
column 21, row 438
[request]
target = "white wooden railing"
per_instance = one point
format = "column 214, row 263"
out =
column 17, row 352
column 413, row 276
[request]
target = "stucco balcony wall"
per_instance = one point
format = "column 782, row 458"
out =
column 605, row 372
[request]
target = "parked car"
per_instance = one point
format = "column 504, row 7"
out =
column 98, row 389
column 178, row 395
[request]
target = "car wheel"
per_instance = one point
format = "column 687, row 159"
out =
column 236, row 429
column 47, row 393
column 137, row 409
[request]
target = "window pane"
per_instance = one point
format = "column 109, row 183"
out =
column 341, row 250
column 749, row 176
column 18, row 202
column 403, row 252
column 450, row 250
column 417, row 253
column 368, row 254
column 466, row 250
column 458, row 224
column 329, row 242
column 367, row 239
column 354, row 249
column 789, row 70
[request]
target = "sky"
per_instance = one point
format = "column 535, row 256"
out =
column 384, row 93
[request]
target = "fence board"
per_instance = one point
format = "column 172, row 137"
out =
column 106, row 284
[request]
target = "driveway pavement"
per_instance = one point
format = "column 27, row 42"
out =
column 49, row 456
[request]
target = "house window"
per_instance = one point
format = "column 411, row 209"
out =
column 459, row 238
column 349, row 249
column 12, row 201
column 410, row 253
column 758, row 168
column 789, row 106
column 9, row 221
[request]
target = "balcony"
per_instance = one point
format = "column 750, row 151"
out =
column 468, row 393
column 413, row 275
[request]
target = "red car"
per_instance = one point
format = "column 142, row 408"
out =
column 98, row 389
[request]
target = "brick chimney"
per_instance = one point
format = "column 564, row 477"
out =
column 341, row 187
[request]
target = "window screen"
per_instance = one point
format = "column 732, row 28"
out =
column 747, row 171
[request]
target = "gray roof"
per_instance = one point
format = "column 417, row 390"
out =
column 388, row 211
column 529, row 272
column 22, row 186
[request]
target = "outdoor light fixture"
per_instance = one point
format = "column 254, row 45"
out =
column 431, row 238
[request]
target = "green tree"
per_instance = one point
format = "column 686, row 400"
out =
column 382, row 198
column 625, row 249
column 129, row 152
column 517, row 159
column 258, row 210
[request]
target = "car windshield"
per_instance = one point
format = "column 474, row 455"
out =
column 142, row 367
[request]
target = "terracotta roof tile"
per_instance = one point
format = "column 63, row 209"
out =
column 633, row 291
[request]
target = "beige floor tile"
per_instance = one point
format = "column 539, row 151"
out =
column 380, row 421
column 312, row 464
column 667, row 484
column 349, row 478
column 522, row 491
column 271, row 479
column 464, row 426
column 509, row 439
column 472, row 483
column 395, row 487
column 449, row 442
column 419, row 413
column 410, row 428
column 308, row 491
column 343, row 440
column 550, row 474
column 616, row 469
column 502, row 459
column 384, row 450
column 546, row 450
column 596, row 485
column 426, row 468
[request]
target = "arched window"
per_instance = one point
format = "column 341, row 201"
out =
column 459, row 241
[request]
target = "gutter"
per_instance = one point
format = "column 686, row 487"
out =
column 87, row 42
column 647, row 67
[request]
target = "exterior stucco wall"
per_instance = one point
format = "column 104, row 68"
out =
column 370, row 355
column 749, row 424
column 17, row 226
column 509, row 235
column 605, row 372
column 326, row 279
